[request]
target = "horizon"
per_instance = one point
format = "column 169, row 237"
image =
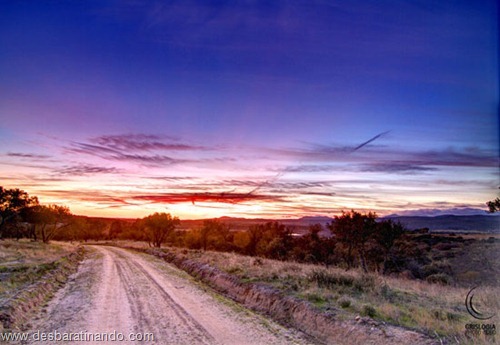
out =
column 284, row 110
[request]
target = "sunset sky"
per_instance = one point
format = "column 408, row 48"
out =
column 122, row 108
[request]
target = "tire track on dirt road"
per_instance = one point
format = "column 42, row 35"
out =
column 129, row 272
column 116, row 290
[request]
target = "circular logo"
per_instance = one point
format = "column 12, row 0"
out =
column 472, row 306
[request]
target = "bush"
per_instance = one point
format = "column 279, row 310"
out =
column 368, row 310
column 316, row 299
column 328, row 280
column 345, row 302
column 439, row 278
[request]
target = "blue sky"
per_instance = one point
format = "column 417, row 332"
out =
column 123, row 108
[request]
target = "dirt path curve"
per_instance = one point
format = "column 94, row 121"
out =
column 123, row 294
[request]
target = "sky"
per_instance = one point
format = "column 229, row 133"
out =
column 269, row 109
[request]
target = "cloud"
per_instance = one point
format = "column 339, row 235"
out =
column 146, row 149
column 318, row 193
column 171, row 178
column 434, row 212
column 382, row 158
column 85, row 169
column 94, row 196
column 223, row 197
column 452, row 157
column 114, row 154
column 27, row 155
column 143, row 142
column 396, row 167
column 310, row 168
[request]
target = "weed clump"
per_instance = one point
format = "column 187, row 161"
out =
column 368, row 310
column 439, row 278
column 345, row 303
column 329, row 280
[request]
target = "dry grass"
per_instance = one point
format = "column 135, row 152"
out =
column 432, row 308
column 23, row 262
column 438, row 310
column 28, row 252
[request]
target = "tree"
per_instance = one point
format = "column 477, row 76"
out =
column 494, row 206
column 353, row 230
column 277, row 241
column 84, row 229
column 116, row 229
column 217, row 233
column 254, row 236
column 12, row 202
column 46, row 221
column 158, row 226
column 388, row 232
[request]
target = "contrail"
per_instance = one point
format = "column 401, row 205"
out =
column 369, row 141
column 266, row 182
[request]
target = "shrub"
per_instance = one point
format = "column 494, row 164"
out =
column 387, row 293
column 345, row 302
column 316, row 299
column 439, row 278
column 328, row 280
column 257, row 262
column 368, row 310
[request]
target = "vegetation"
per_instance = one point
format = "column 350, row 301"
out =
column 435, row 309
column 45, row 221
column 363, row 266
column 157, row 227
column 355, row 240
column 494, row 205
column 12, row 202
column 24, row 262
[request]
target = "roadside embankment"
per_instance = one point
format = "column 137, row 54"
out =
column 291, row 311
column 18, row 307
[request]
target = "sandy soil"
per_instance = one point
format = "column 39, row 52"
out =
column 117, row 291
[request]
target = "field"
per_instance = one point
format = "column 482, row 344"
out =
column 24, row 262
column 432, row 306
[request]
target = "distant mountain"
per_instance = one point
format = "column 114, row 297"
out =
column 434, row 212
column 475, row 223
column 315, row 220
column 479, row 223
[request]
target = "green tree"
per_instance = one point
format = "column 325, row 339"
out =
column 216, row 234
column 388, row 232
column 12, row 202
column 254, row 234
column 494, row 205
column 314, row 248
column 353, row 230
column 158, row 226
column 277, row 241
column 46, row 221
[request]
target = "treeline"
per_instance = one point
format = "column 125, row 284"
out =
column 356, row 240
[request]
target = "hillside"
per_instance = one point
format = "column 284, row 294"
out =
column 475, row 223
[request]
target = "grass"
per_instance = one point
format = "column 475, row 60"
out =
column 24, row 262
column 433, row 308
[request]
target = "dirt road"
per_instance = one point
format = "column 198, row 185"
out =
column 125, row 296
